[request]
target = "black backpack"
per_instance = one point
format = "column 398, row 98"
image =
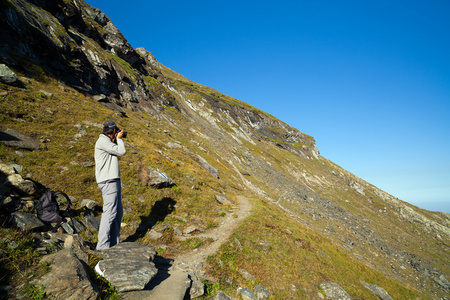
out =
column 48, row 208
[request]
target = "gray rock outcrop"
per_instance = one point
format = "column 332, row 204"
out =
column 68, row 278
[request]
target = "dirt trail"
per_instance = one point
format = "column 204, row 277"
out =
column 193, row 260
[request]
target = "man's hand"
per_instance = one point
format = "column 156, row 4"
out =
column 120, row 134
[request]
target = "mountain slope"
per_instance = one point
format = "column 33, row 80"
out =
column 78, row 71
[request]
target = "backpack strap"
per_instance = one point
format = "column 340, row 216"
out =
column 56, row 193
column 57, row 226
column 66, row 212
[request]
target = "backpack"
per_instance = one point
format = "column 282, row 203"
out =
column 48, row 207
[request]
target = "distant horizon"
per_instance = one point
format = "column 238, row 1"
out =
column 370, row 81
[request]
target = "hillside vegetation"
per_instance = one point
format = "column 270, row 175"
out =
column 311, row 221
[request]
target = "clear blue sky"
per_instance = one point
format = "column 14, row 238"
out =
column 369, row 80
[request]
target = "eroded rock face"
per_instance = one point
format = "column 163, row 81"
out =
column 81, row 46
column 59, row 39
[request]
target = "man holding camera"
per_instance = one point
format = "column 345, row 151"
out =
column 107, row 149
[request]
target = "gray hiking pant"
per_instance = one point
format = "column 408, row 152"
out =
column 109, row 231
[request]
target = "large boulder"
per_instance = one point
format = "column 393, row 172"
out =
column 7, row 76
column 128, row 266
column 13, row 138
column 154, row 177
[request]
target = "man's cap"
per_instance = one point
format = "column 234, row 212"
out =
column 110, row 124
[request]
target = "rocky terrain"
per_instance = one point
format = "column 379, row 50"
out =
column 200, row 171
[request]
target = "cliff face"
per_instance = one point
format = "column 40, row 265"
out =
column 80, row 47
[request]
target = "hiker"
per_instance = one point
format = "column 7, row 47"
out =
column 107, row 149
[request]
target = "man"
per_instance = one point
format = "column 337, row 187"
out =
column 107, row 149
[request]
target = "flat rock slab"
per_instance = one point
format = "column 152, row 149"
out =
column 173, row 286
column 204, row 163
column 129, row 266
column 379, row 291
column 26, row 221
column 13, row 138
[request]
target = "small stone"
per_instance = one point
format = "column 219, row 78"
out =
column 154, row 235
column 224, row 200
column 190, row 229
column 177, row 231
column 13, row 245
column 221, row 296
column 335, row 291
column 91, row 204
column 246, row 294
column 48, row 94
column 7, row 76
column 261, row 293
column 87, row 164
column 68, row 242
column 21, row 154
column 247, row 275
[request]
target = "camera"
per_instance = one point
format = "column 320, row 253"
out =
column 124, row 134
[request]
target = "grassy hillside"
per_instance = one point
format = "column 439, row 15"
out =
column 287, row 250
column 312, row 221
